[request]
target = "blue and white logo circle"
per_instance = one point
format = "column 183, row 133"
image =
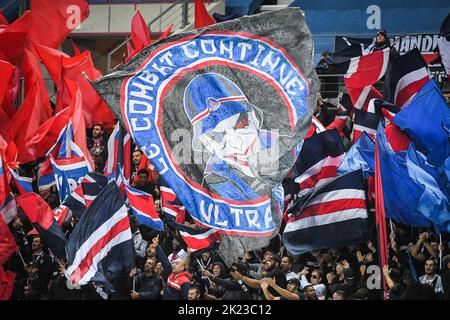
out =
column 238, row 96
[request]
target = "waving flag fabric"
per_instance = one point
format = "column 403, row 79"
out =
column 198, row 240
column 143, row 208
column 362, row 73
column 425, row 118
column 354, row 158
column 331, row 215
column 74, row 169
column 46, row 176
column 203, row 82
column 41, row 216
column 9, row 209
column 51, row 22
column 100, row 247
column 406, row 75
column 319, row 159
column 400, row 192
column 93, row 183
column 23, row 184
column 170, row 205
column 202, row 17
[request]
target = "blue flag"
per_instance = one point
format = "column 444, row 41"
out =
column 433, row 203
column 355, row 157
column 425, row 119
column 401, row 193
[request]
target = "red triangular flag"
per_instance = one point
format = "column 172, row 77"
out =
column 36, row 209
column 94, row 109
column 140, row 34
column 166, row 33
column 202, row 17
column 45, row 136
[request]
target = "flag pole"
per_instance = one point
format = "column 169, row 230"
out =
column 21, row 258
column 380, row 218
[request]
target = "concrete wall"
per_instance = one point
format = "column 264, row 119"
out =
column 116, row 18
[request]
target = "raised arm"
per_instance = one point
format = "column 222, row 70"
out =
column 264, row 283
column 248, row 281
column 283, row 292
column 418, row 246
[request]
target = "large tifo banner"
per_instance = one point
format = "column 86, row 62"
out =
column 426, row 43
column 221, row 112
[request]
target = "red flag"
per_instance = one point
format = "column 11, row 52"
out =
column 41, row 140
column 339, row 124
column 13, row 39
column 6, row 71
column 6, row 283
column 94, row 109
column 127, row 156
column 146, row 164
column 398, row 140
column 52, row 21
column 130, row 50
column 7, row 243
column 202, row 17
column 166, row 33
column 30, row 115
column 33, row 74
column 3, row 20
column 52, row 59
column 79, row 129
column 380, row 217
column 8, row 108
column 36, row 209
column 140, row 33
column 35, row 108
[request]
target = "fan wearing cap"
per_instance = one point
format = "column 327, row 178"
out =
column 228, row 126
column 382, row 42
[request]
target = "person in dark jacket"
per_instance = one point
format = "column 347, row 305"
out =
column 215, row 291
column 32, row 287
column 15, row 263
column 235, row 289
column 147, row 285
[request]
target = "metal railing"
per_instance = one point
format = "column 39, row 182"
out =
column 177, row 15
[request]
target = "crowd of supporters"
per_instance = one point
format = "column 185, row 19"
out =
column 419, row 261
column 418, row 266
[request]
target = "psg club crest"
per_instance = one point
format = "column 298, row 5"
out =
column 215, row 113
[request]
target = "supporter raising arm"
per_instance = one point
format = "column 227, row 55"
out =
column 283, row 292
column 423, row 242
